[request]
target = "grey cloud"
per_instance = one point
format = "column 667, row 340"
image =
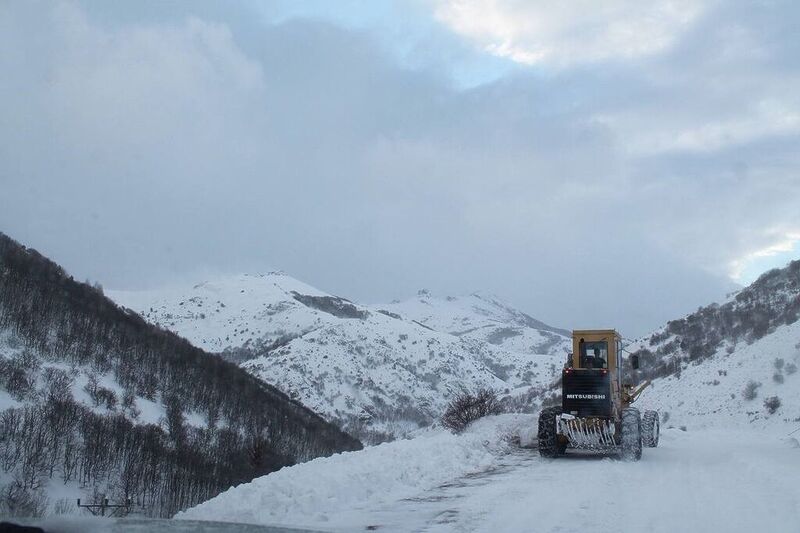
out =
column 138, row 151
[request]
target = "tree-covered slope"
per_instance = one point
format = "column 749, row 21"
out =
column 96, row 401
column 756, row 311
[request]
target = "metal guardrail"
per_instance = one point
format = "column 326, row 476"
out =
column 99, row 509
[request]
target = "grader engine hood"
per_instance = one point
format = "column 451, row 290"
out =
column 586, row 392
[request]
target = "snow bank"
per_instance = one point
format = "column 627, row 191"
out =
column 325, row 491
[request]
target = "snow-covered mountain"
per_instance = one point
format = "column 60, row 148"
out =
column 485, row 318
column 730, row 363
column 376, row 370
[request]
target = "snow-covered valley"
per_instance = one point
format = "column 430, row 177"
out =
column 727, row 389
column 727, row 461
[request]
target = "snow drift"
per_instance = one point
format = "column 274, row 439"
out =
column 331, row 491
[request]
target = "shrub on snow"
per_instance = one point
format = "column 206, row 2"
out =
column 750, row 390
column 772, row 404
column 466, row 408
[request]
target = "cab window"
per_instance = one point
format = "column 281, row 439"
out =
column 594, row 354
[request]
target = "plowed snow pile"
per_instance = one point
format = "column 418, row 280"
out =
column 709, row 480
column 327, row 491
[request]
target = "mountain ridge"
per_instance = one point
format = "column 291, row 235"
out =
column 378, row 370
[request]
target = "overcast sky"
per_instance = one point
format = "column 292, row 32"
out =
column 614, row 163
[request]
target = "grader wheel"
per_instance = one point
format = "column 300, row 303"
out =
column 651, row 429
column 548, row 439
column 631, row 434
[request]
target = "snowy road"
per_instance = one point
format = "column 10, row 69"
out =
column 695, row 481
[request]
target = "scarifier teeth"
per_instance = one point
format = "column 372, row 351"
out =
column 586, row 434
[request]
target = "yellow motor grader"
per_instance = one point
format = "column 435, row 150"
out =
column 595, row 412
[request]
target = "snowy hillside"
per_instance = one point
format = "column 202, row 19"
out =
column 372, row 369
column 718, row 366
column 36, row 388
column 95, row 402
column 485, row 318
column 730, row 389
column 247, row 313
column 756, row 311
column 30, row 375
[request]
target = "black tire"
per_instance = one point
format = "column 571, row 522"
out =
column 631, row 434
column 548, row 439
column 651, row 429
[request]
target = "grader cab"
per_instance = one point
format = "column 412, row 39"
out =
column 595, row 412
